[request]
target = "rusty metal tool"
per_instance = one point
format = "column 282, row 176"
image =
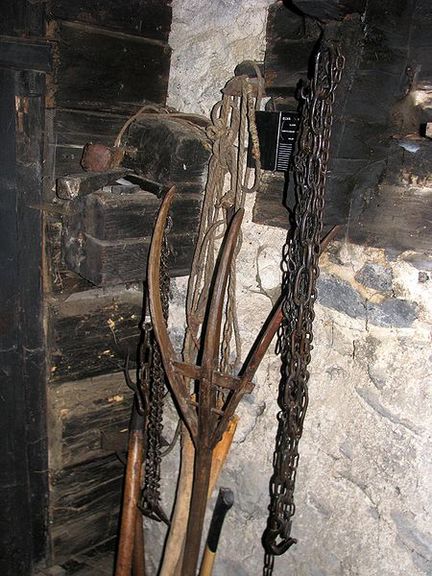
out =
column 203, row 415
column 205, row 418
column 224, row 502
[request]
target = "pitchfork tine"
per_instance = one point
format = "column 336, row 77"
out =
column 180, row 390
column 211, row 344
column 207, row 399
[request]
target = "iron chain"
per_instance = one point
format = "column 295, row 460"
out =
column 300, row 274
column 151, row 495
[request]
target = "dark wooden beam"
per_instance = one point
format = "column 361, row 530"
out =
column 15, row 520
column 22, row 18
column 93, row 333
column 25, row 54
column 169, row 150
column 115, row 216
column 23, row 466
column 110, row 262
column 326, row 10
column 149, row 18
column 85, row 504
column 99, row 69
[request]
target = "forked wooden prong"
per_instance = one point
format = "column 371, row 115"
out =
column 207, row 417
column 178, row 385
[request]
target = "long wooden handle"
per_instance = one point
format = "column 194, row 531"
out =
column 224, row 502
column 138, row 565
column 131, row 490
column 173, row 554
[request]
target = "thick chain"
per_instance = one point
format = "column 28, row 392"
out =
column 300, row 274
column 151, row 499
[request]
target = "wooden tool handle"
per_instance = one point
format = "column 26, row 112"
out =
column 132, row 484
column 173, row 555
column 224, row 502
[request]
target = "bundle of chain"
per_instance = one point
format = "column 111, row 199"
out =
column 300, row 274
column 233, row 127
column 151, row 363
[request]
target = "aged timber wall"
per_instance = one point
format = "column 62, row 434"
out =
column 108, row 59
column 364, row 483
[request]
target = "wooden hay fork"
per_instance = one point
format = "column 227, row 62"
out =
column 204, row 417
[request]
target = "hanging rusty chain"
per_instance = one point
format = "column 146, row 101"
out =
column 152, row 362
column 300, row 274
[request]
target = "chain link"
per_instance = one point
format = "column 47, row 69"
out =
column 300, row 274
column 151, row 495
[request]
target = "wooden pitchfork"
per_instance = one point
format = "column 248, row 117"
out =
column 203, row 415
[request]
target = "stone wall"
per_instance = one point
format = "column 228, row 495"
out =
column 364, row 484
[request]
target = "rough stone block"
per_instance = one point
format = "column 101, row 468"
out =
column 375, row 276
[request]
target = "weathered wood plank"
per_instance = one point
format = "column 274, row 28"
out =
column 290, row 39
column 344, row 177
column 388, row 215
column 92, row 333
column 77, row 127
column 150, row 18
column 115, row 216
column 105, row 263
column 22, row 18
column 85, row 472
column 396, row 217
column 85, row 501
column 169, row 150
column 84, row 417
column 67, row 132
column 24, row 54
column 286, row 63
column 96, row 69
column 326, row 10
